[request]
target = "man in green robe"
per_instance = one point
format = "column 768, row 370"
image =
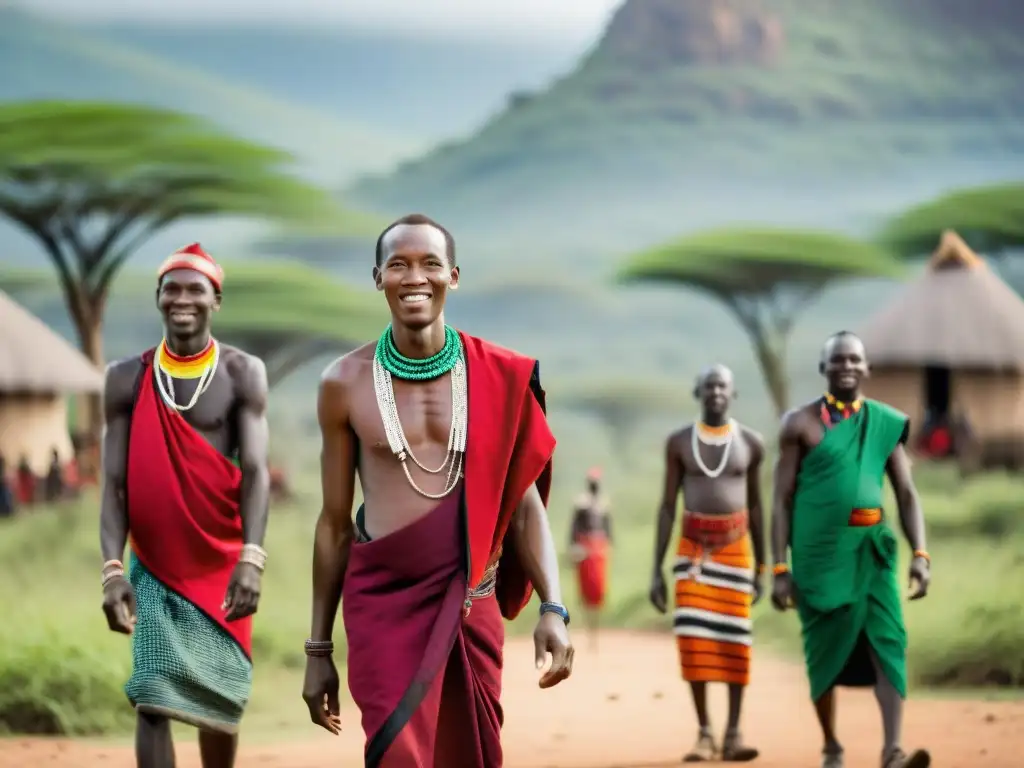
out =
column 833, row 456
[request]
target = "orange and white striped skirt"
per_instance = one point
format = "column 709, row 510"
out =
column 714, row 591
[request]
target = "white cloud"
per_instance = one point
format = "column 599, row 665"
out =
column 501, row 18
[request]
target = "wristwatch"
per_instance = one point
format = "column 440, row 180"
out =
column 556, row 608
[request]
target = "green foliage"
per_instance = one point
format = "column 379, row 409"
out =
column 286, row 313
column 764, row 277
column 990, row 219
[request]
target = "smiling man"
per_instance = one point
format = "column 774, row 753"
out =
column 834, row 454
column 185, row 478
column 448, row 436
column 716, row 464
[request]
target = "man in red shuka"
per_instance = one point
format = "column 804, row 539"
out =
column 453, row 453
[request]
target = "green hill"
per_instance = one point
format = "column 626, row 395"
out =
column 42, row 59
column 694, row 108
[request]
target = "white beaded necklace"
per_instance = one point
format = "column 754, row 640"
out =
column 166, row 389
column 383, row 387
column 698, row 437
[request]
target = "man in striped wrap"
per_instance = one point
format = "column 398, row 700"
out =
column 715, row 462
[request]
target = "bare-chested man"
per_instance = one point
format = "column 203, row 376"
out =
column 451, row 445
column 834, row 454
column 716, row 464
column 590, row 538
column 185, row 476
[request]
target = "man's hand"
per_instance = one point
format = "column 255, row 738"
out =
column 320, row 692
column 782, row 592
column 119, row 605
column 758, row 586
column 920, row 577
column 243, row 594
column 552, row 636
column 659, row 592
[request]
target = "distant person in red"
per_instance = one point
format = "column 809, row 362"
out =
column 590, row 541
column 25, row 483
column 936, row 438
column 6, row 496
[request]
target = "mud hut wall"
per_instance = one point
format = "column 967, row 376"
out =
column 33, row 426
column 903, row 389
column 992, row 402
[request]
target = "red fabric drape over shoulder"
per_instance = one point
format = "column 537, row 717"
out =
column 183, row 507
column 509, row 447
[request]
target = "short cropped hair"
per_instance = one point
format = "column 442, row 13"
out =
column 414, row 219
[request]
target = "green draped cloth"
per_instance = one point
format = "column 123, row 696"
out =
column 184, row 666
column 845, row 577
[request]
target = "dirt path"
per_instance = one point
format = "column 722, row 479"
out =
column 627, row 708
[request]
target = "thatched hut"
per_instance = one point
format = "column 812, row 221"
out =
column 951, row 346
column 38, row 371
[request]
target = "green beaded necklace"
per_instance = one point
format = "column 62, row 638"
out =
column 412, row 369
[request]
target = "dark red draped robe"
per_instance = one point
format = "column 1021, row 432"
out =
column 427, row 679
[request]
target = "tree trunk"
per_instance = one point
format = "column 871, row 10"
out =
column 88, row 320
column 773, row 368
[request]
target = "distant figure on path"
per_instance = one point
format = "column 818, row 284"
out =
column 53, row 485
column 716, row 464
column 448, row 437
column 834, row 453
column 7, row 504
column 25, row 483
column 185, row 476
column 590, row 539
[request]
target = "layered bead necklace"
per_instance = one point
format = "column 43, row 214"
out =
column 834, row 411
column 170, row 366
column 388, row 362
column 716, row 436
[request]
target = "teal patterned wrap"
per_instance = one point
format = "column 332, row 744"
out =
column 184, row 666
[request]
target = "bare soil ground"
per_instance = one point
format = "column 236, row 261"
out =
column 626, row 707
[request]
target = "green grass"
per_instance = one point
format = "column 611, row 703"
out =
column 62, row 671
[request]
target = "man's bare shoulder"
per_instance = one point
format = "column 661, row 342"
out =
column 349, row 367
column 796, row 420
column 752, row 437
column 678, row 438
column 246, row 370
column 119, row 380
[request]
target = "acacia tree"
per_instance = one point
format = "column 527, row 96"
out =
column 284, row 313
column 92, row 182
column 990, row 220
column 764, row 277
column 620, row 405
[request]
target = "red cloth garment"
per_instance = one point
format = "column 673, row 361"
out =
column 508, row 448
column 427, row 677
column 592, row 571
column 183, row 507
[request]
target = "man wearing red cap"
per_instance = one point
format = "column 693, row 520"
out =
column 185, row 479
column 590, row 538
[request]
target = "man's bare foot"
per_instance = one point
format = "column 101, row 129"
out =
column 832, row 757
column 919, row 758
column 734, row 751
column 704, row 751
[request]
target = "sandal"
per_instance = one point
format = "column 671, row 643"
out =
column 832, row 757
column 704, row 751
column 734, row 750
column 919, row 758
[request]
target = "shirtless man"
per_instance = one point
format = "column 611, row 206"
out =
column 448, row 437
column 842, row 553
column 190, row 487
column 716, row 464
column 590, row 538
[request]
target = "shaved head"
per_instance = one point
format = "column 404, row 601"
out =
column 714, row 389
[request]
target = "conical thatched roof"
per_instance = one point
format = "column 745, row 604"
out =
column 958, row 314
column 34, row 358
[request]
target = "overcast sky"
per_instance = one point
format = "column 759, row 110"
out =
column 498, row 18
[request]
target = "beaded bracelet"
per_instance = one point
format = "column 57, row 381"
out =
column 255, row 555
column 923, row 554
column 319, row 647
column 780, row 568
